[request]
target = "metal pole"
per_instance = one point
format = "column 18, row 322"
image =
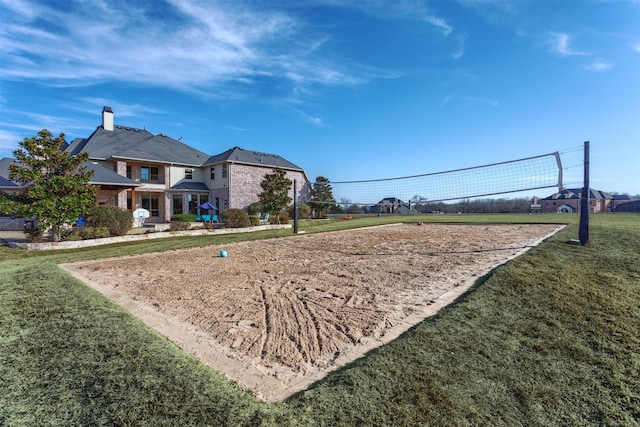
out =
column 295, row 207
column 583, row 231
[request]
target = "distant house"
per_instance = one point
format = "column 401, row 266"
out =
column 568, row 201
column 625, row 203
column 137, row 169
column 536, row 207
column 393, row 205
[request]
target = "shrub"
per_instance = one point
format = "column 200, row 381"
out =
column 255, row 208
column 282, row 218
column 254, row 220
column 179, row 226
column 114, row 219
column 95, row 232
column 235, row 218
column 69, row 235
column 184, row 217
column 303, row 211
column 34, row 234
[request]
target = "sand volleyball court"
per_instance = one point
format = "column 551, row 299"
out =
column 277, row 315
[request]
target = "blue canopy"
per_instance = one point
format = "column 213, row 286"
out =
column 206, row 205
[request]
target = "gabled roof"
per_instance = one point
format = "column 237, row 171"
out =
column 189, row 185
column 621, row 197
column 103, row 144
column 575, row 193
column 239, row 155
column 137, row 144
column 390, row 200
column 5, row 182
column 104, row 176
column 565, row 206
column 101, row 175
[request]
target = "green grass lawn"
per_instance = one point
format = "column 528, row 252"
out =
column 551, row 338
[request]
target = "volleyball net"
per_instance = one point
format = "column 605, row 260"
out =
column 513, row 176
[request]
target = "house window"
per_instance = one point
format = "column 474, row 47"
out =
column 212, row 173
column 224, row 171
column 129, row 171
column 188, row 174
column 152, row 204
column 149, row 173
column 177, row 204
column 129, row 202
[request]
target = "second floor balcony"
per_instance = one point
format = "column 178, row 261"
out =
column 146, row 174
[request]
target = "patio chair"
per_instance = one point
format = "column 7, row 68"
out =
column 206, row 218
column 214, row 218
column 198, row 218
column 264, row 218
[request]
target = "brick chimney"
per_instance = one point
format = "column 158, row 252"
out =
column 107, row 118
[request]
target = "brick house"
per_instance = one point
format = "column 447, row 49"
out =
column 568, row 201
column 136, row 169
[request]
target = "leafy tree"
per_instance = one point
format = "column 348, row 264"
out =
column 419, row 203
column 345, row 203
column 322, row 195
column 275, row 196
column 58, row 188
column 254, row 208
column 354, row 209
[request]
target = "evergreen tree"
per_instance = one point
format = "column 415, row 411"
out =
column 58, row 189
column 275, row 196
column 322, row 195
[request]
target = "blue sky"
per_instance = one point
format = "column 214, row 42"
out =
column 350, row 90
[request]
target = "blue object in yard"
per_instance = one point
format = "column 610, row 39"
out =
column 81, row 222
column 207, row 206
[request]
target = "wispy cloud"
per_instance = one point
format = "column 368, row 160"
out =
column 484, row 101
column 459, row 53
column 235, row 128
column 598, row 65
column 445, row 100
column 560, row 44
column 122, row 109
column 308, row 118
column 186, row 45
column 417, row 11
column 468, row 100
column 26, row 124
column 9, row 140
column 441, row 23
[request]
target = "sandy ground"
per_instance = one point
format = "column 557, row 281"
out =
column 277, row 315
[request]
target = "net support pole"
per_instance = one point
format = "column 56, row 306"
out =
column 295, row 206
column 583, row 231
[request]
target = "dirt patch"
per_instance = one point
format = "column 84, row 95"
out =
column 277, row 315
